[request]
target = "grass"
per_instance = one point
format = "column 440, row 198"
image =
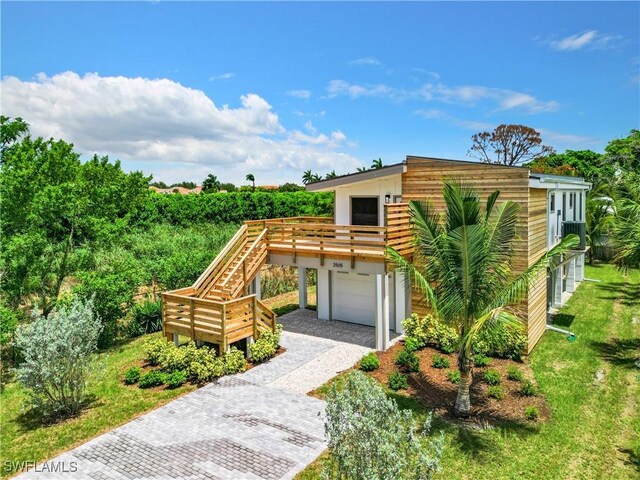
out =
column 592, row 386
column 24, row 438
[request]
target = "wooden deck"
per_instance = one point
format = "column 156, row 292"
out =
column 218, row 309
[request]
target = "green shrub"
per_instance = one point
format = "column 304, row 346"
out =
column 503, row 343
column 481, row 360
column 514, row 373
column 132, row 375
column 528, row 389
column 205, row 367
column 427, row 330
column 176, row 379
column 408, row 361
column 454, row 376
column 398, row 381
column 57, row 357
column 266, row 346
column 155, row 350
column 150, row 379
column 147, row 318
column 181, row 358
column 531, row 413
column 370, row 438
column 411, row 344
column 492, row 377
column 496, row 391
column 369, row 362
column 438, row 361
column 234, row 362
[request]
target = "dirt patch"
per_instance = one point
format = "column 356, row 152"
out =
column 432, row 387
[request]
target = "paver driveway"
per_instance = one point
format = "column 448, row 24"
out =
column 255, row 425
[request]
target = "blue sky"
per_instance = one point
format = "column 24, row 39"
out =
column 181, row 90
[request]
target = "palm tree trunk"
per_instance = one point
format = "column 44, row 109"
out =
column 463, row 400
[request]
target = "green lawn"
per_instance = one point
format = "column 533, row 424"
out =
column 23, row 438
column 595, row 429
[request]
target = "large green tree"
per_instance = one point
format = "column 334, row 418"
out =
column 508, row 145
column 594, row 167
column 211, row 184
column 625, row 152
column 55, row 208
column 463, row 266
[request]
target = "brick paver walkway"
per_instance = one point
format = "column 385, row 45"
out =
column 248, row 426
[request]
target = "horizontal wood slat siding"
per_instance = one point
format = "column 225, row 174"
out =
column 423, row 180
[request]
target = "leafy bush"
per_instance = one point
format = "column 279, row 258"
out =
column 57, row 352
column 492, row 377
column 481, row 360
column 531, row 413
column 180, row 358
column 528, row 389
column 132, row 375
column 234, row 362
column 370, row 438
column 408, row 361
column 503, row 343
column 427, row 330
column 496, row 391
column 411, row 344
column 153, row 378
column 147, row 318
column 266, row 346
column 369, row 362
column 398, row 381
column 155, row 350
column 514, row 373
column 454, row 376
column 175, row 379
column 438, row 361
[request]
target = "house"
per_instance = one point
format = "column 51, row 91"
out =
column 180, row 190
column 356, row 283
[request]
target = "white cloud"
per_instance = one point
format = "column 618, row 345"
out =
column 589, row 39
column 299, row 93
column 224, row 76
column 366, row 61
column 168, row 129
column 468, row 95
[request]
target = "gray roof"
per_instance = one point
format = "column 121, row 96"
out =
column 394, row 169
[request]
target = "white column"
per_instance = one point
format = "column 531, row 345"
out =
column 556, row 281
column 401, row 285
column 323, row 295
column 254, row 287
column 571, row 275
column 302, row 287
column 176, row 339
column 580, row 268
column 382, row 311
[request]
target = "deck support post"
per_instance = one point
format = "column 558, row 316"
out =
column 571, row 275
column 302, row 287
column 580, row 267
column 403, row 298
column 254, row 287
column 556, row 285
column 176, row 339
column 382, row 311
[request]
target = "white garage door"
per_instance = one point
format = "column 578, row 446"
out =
column 354, row 298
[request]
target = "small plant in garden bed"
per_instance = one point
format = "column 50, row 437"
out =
column 369, row 362
column 528, row 389
column 412, row 344
column 176, row 379
column 398, row 381
column 154, row 378
column 408, row 361
column 454, row 376
column 496, row 391
column 132, row 375
column 531, row 413
column 438, row 361
column 514, row 373
column 492, row 377
column 481, row 360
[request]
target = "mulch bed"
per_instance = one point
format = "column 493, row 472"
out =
column 432, row 388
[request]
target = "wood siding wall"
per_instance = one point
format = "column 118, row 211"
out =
column 423, row 179
column 537, row 301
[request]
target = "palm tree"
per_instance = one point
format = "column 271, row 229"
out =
column 626, row 229
column 598, row 216
column 362, row 169
column 307, row 177
column 462, row 265
column 377, row 163
column 252, row 179
column 331, row 174
column 211, row 184
column 315, row 178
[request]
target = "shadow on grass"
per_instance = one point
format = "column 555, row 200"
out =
column 562, row 320
column 633, row 456
column 623, row 353
column 33, row 419
column 626, row 293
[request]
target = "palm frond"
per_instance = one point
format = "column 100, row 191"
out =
column 490, row 203
column 492, row 322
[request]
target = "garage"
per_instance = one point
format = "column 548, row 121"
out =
column 354, row 298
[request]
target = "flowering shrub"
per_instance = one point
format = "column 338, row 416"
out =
column 266, row 346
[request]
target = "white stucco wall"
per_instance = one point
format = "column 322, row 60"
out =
column 391, row 185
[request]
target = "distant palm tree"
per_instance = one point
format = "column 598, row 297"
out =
column 463, row 266
column 315, row 178
column 362, row 169
column 211, row 184
column 377, row 163
column 252, row 179
column 307, row 177
column 331, row 174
